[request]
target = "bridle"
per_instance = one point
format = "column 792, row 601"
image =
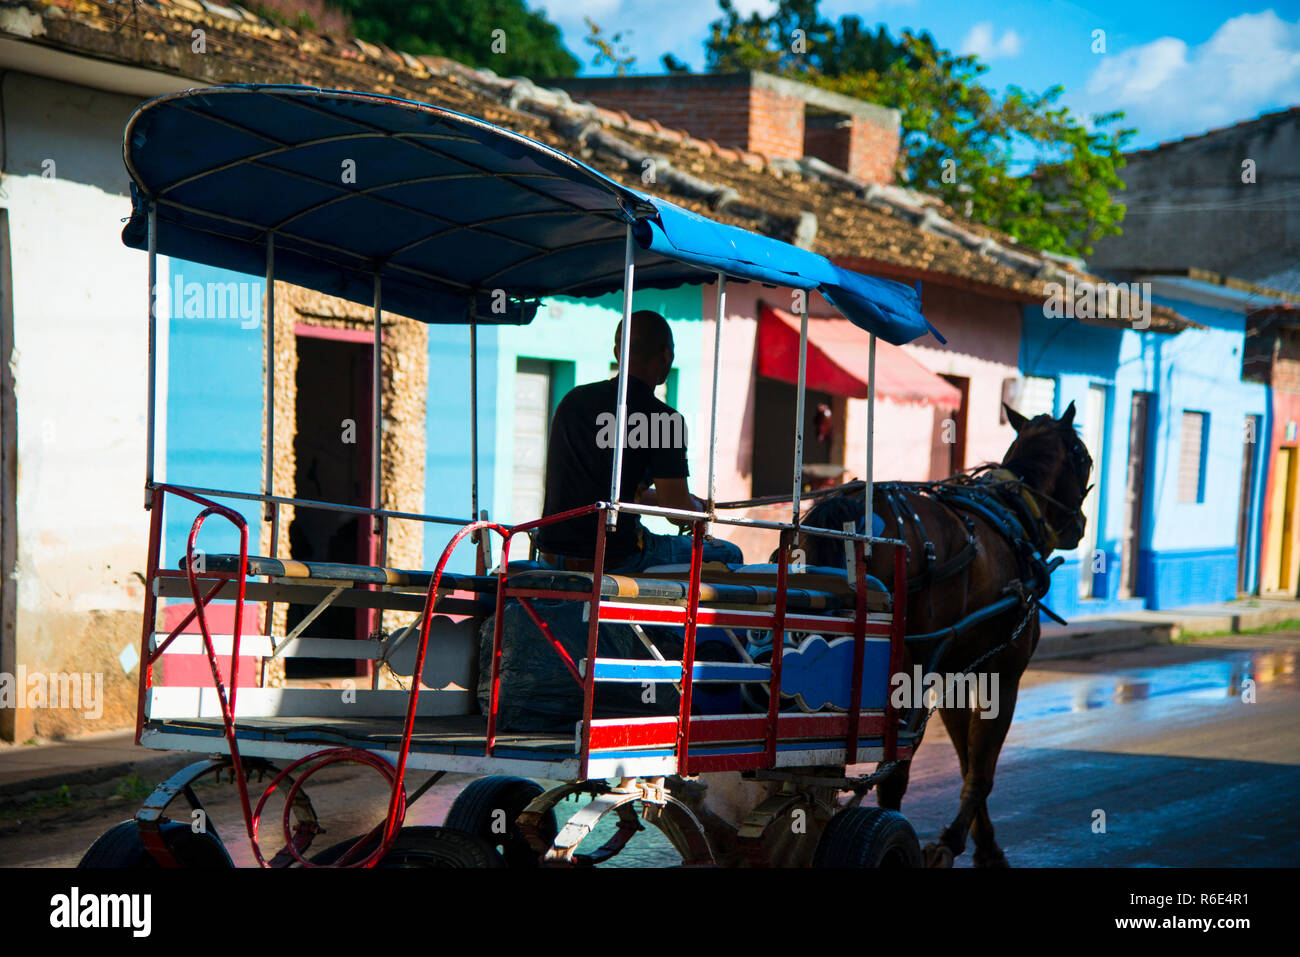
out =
column 1080, row 463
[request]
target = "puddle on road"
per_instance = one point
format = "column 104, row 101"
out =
column 1224, row 678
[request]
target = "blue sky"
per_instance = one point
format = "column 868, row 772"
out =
column 1176, row 67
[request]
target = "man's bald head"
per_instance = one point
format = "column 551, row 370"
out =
column 650, row 347
column 650, row 335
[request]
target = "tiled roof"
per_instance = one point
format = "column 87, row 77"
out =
column 884, row 229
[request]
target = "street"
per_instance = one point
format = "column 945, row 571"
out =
column 1158, row 741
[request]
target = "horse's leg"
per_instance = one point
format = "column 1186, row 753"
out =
column 952, row 842
column 986, row 740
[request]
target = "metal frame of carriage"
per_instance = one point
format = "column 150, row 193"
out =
column 803, row 751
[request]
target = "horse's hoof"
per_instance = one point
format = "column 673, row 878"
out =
column 994, row 858
column 937, row 855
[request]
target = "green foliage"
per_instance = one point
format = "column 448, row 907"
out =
column 959, row 137
column 609, row 49
column 465, row 32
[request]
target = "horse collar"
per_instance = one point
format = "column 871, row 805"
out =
column 1049, row 535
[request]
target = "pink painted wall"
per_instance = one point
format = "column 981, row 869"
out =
column 983, row 344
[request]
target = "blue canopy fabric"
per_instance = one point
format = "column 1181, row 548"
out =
column 456, row 216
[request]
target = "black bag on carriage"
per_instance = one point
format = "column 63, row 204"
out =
column 538, row 693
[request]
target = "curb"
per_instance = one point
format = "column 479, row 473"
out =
column 1085, row 638
column 1082, row 641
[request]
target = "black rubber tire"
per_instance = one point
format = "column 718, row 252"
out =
column 868, row 837
column 121, row 848
column 422, row 847
column 474, row 811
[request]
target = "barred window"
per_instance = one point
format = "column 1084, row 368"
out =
column 1191, row 456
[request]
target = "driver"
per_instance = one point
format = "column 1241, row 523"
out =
column 580, row 456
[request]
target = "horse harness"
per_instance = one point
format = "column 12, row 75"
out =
column 998, row 497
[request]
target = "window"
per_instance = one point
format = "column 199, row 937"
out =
column 1191, row 456
column 1033, row 395
column 664, row 391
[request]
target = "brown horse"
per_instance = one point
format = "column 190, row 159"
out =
column 1043, row 478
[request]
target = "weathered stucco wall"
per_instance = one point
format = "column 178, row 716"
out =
column 79, row 363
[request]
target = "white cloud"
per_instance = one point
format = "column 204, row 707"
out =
column 1251, row 63
column 980, row 41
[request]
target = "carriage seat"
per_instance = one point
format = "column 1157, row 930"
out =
column 725, row 588
column 336, row 572
column 825, row 578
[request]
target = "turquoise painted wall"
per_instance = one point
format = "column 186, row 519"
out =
column 448, row 471
column 213, row 403
column 581, row 331
column 1189, row 550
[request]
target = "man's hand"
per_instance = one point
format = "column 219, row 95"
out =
column 674, row 493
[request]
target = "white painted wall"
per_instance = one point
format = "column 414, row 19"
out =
column 79, row 362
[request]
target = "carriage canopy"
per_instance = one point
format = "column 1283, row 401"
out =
column 447, row 210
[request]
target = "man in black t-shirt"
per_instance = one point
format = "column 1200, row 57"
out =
column 580, row 456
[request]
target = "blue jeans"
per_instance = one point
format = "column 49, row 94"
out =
column 670, row 550
column 675, row 550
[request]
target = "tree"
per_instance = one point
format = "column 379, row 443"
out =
column 500, row 34
column 960, row 140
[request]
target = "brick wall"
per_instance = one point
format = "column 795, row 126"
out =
column 873, row 152
column 721, row 115
column 775, row 122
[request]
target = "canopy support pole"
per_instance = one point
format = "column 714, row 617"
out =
column 268, row 326
column 713, row 412
column 869, row 489
column 799, row 408
column 376, row 410
column 151, row 399
column 624, row 348
column 473, row 439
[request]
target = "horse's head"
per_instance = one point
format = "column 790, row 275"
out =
column 1052, row 461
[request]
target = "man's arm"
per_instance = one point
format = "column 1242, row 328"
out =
column 672, row 493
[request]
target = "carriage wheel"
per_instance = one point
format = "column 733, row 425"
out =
column 868, row 837
column 489, row 809
column 422, row 847
column 122, row 848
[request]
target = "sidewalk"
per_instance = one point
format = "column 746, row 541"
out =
column 1092, row 636
column 28, row 771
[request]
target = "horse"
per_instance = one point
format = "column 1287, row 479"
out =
column 962, row 558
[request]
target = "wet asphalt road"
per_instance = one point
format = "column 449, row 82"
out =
column 1160, row 740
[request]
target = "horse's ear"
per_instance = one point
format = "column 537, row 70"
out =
column 1068, row 418
column 1017, row 420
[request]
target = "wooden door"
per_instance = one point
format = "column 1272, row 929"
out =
column 1134, row 494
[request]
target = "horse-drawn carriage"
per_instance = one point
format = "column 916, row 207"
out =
column 779, row 676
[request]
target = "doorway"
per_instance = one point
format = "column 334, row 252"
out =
column 1094, row 433
column 1134, row 494
column 332, row 440
column 774, row 407
column 1246, row 501
column 534, row 399
column 1281, row 522
column 957, row 447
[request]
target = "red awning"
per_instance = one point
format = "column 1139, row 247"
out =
column 837, row 361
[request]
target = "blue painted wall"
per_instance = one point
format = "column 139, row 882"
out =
column 448, row 470
column 213, row 401
column 1188, row 552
